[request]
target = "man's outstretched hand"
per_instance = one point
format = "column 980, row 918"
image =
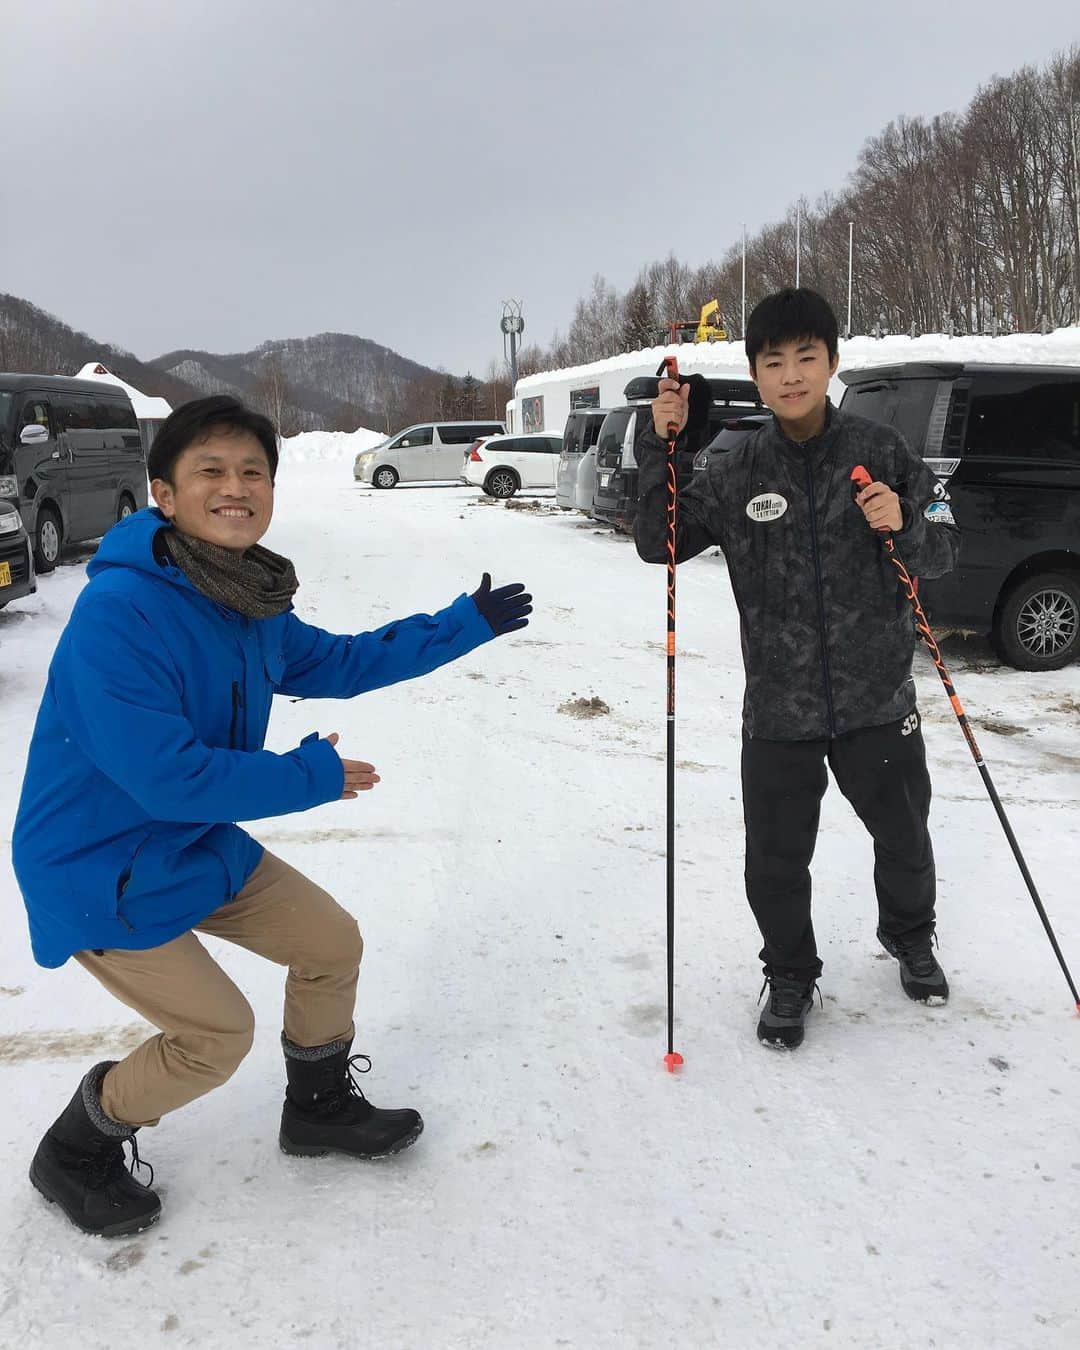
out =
column 505, row 608
column 359, row 777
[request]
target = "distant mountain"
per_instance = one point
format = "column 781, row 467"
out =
column 332, row 381
column 327, row 377
column 31, row 340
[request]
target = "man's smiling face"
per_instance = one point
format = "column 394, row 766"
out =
column 221, row 490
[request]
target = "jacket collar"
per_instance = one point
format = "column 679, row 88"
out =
column 818, row 447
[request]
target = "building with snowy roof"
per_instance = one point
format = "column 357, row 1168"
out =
column 150, row 410
column 542, row 402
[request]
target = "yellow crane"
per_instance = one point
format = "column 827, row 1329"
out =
column 702, row 331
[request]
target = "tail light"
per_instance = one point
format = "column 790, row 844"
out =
column 474, row 452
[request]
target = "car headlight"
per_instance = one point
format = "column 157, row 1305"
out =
column 10, row 522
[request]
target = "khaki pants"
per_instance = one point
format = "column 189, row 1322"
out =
column 206, row 1022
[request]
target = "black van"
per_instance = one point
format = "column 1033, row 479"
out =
column 615, row 494
column 71, row 459
column 1006, row 441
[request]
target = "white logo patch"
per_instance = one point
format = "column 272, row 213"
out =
column 939, row 513
column 766, row 506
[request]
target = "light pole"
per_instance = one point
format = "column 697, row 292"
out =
column 1076, row 199
column 744, row 281
column 798, row 243
column 850, row 259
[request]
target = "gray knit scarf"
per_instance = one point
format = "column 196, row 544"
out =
column 255, row 583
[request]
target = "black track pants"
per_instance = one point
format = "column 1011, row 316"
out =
column 882, row 773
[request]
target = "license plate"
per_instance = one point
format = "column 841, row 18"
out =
column 5, row 574
column 605, row 479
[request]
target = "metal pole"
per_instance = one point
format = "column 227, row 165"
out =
column 850, row 256
column 744, row 281
column 1076, row 203
column 798, row 243
column 861, row 479
column 672, row 1060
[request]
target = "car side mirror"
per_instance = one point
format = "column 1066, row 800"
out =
column 33, row 434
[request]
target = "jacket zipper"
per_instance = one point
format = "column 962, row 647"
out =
column 821, row 601
column 237, row 704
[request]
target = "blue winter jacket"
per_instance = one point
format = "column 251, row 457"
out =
column 149, row 744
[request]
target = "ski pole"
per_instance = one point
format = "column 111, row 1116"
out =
column 672, row 1060
column 860, row 479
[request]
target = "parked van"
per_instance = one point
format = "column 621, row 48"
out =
column 429, row 452
column 577, row 461
column 615, row 495
column 71, row 459
column 1005, row 442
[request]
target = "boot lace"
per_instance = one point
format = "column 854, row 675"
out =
column 920, row 959
column 346, row 1089
column 786, row 996
column 108, row 1165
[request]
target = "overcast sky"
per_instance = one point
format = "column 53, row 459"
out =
column 219, row 172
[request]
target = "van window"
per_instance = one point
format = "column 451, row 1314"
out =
column 75, row 412
column 35, row 412
column 464, row 435
column 590, row 432
column 7, row 400
column 418, row 436
column 1019, row 417
column 113, row 415
column 610, row 442
column 903, row 404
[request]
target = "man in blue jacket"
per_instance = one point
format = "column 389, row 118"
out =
column 148, row 748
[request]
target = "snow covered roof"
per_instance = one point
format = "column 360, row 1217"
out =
column 147, row 408
column 1061, row 347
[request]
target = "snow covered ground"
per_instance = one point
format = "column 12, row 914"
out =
column 908, row 1179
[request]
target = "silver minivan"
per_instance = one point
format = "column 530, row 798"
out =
column 428, row 452
column 577, row 463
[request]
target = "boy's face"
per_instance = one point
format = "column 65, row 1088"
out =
column 221, row 490
column 793, row 379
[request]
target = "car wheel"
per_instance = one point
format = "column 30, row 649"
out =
column 47, row 539
column 501, row 483
column 1038, row 622
column 385, row 477
column 127, row 508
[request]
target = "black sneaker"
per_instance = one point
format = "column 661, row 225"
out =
column 325, row 1111
column 80, row 1166
column 782, row 1020
column 920, row 975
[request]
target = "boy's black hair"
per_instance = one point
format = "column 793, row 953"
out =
column 787, row 316
column 195, row 421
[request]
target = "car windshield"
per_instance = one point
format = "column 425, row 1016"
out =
column 612, row 433
column 903, row 404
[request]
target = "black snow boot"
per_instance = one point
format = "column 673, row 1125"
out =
column 920, row 975
column 325, row 1111
column 80, row 1166
column 783, row 1018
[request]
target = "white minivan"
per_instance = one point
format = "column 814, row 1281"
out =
column 425, row 453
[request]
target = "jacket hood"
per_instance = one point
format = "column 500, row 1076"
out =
column 130, row 543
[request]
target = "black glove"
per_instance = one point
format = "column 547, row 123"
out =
column 505, row 608
column 697, row 412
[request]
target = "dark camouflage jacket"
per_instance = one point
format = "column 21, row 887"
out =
column 827, row 632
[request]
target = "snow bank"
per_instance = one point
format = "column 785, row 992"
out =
column 311, row 446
